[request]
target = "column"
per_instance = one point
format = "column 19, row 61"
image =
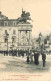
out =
column 19, row 37
column 27, row 37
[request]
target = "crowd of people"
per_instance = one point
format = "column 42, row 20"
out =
column 36, row 54
column 32, row 55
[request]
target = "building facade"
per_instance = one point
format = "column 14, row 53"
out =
column 15, row 33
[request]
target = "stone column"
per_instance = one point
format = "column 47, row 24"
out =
column 19, row 37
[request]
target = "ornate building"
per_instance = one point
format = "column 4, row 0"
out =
column 15, row 33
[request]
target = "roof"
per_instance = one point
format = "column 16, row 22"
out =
column 2, row 17
column 19, row 21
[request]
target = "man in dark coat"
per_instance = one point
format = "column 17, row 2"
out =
column 43, row 58
column 28, row 54
column 36, row 57
column 4, row 53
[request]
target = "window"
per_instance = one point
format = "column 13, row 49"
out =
column 5, row 31
column 14, row 23
column 13, row 39
column 5, row 23
column 14, row 31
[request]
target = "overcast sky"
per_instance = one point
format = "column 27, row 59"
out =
column 40, row 11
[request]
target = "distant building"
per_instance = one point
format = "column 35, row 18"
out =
column 15, row 33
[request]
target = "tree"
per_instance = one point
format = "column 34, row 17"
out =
column 45, row 41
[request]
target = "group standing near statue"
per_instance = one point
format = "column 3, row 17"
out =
column 32, row 55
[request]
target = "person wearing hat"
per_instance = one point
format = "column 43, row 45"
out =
column 44, row 57
column 36, row 57
column 28, row 54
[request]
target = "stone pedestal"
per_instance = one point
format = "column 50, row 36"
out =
column 24, row 34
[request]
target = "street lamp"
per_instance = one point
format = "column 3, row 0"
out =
column 7, row 35
column 40, row 37
column 12, row 46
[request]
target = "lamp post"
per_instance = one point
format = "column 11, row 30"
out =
column 40, row 36
column 7, row 35
column 12, row 46
column 12, row 42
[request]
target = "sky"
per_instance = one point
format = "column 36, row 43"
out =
column 40, row 11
